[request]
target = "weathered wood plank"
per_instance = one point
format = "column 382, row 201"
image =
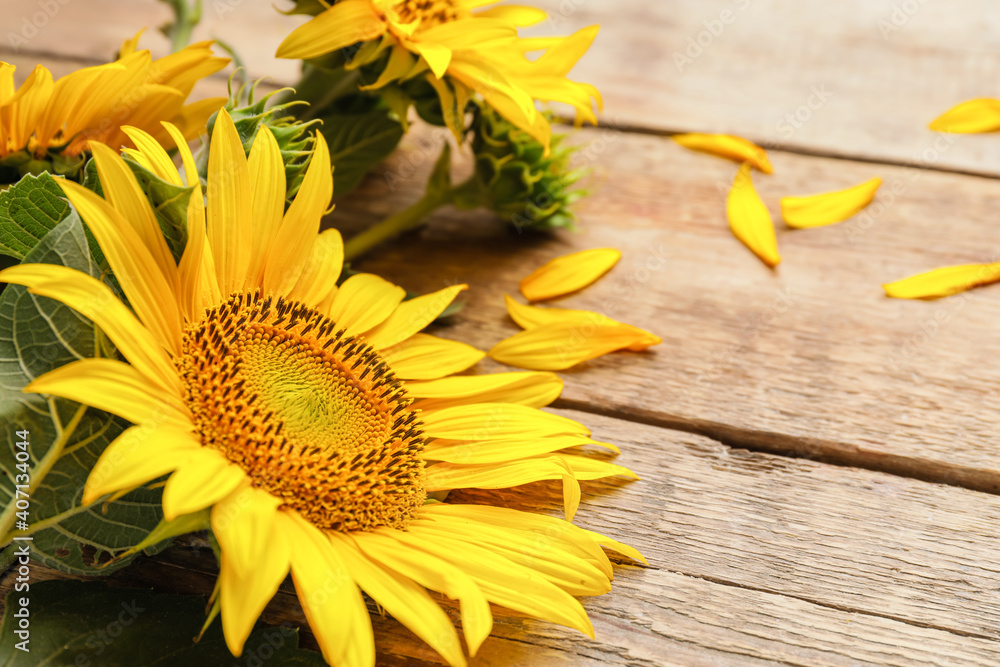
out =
column 810, row 359
column 848, row 79
column 755, row 559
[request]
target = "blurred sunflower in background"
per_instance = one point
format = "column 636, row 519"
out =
column 310, row 423
column 46, row 124
column 457, row 47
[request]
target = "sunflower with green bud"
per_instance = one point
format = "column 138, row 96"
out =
column 310, row 424
column 458, row 47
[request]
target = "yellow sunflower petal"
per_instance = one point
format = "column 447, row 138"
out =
column 974, row 116
column 586, row 468
column 535, row 390
column 148, row 290
column 114, row 387
column 571, row 538
column 750, row 220
column 244, row 596
column 330, row 599
column 568, row 274
column 426, row 357
column 255, row 558
column 727, row 146
column 364, row 301
column 497, row 421
column 299, row 226
column 156, row 157
column 568, row 571
column 447, row 476
column 345, row 23
column 516, row 15
column 121, row 190
column 830, row 207
column 618, row 547
column 437, row 575
column 403, row 599
column 318, row 279
column 555, row 347
column 498, row 451
column 412, row 316
column 95, row 301
column 205, row 478
column 139, row 455
column 267, row 199
column 229, row 212
column 944, row 282
column 529, row 317
column 504, row 582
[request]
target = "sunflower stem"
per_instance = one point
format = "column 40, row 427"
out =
column 406, row 220
column 186, row 18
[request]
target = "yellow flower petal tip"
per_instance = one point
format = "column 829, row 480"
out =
column 569, row 273
column 727, row 146
column 750, row 220
column 830, row 207
column 561, row 345
column 972, row 117
column 943, row 282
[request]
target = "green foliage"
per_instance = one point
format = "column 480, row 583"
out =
column 359, row 142
column 29, row 210
column 87, row 623
column 515, row 178
column 65, row 438
column 248, row 114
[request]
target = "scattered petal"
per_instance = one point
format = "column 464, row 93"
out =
column 972, row 117
column 529, row 317
column 944, row 282
column 558, row 346
column 750, row 220
column 829, row 207
column 569, row 273
column 727, row 146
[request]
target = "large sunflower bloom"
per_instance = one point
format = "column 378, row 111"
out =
column 285, row 404
column 479, row 51
column 94, row 103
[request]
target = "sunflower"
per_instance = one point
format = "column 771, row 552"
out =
column 478, row 49
column 312, row 422
column 45, row 118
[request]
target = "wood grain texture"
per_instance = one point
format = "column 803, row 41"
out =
column 754, row 559
column 811, row 359
column 856, row 79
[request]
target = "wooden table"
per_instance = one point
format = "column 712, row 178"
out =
column 819, row 463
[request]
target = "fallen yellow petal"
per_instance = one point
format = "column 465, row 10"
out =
column 944, row 282
column 974, row 116
column 749, row 219
column 829, row 207
column 560, row 345
column 529, row 317
column 727, row 146
column 569, row 273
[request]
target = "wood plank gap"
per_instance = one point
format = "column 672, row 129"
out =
column 786, row 148
column 821, row 450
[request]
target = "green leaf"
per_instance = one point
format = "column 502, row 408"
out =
column 86, row 623
column 358, row 142
column 38, row 334
column 29, row 209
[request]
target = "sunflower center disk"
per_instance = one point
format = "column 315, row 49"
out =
column 312, row 416
column 429, row 12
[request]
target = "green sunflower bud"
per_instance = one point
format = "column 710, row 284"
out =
column 516, row 179
column 248, row 114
